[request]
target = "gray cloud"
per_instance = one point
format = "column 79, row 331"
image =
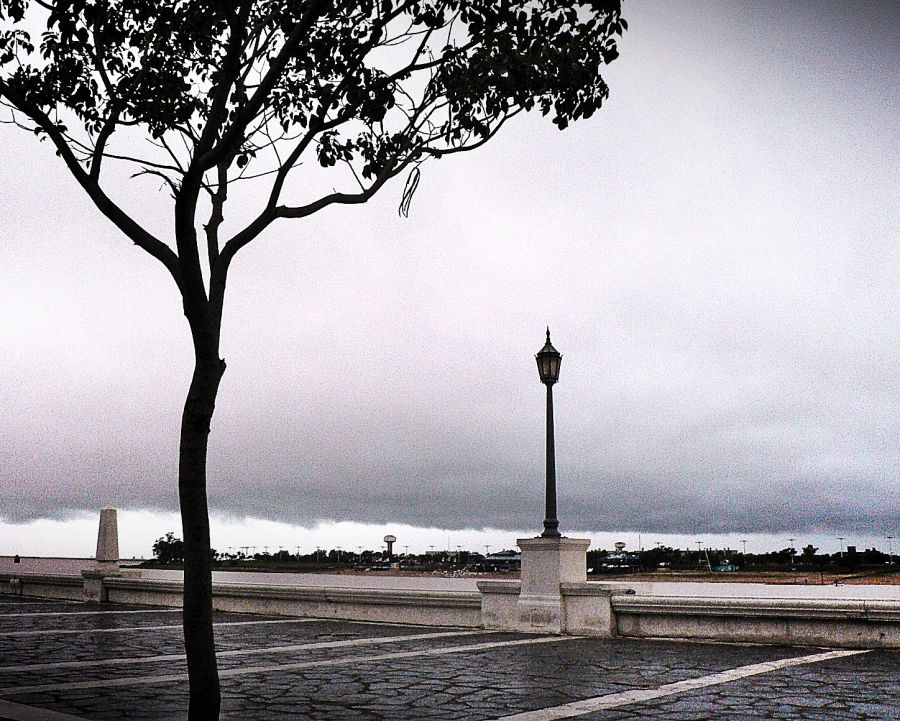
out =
column 715, row 252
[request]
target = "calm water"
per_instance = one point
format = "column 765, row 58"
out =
column 869, row 592
column 74, row 566
column 64, row 566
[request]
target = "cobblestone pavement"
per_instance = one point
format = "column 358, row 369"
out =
column 125, row 662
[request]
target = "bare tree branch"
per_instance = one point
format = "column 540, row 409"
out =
column 216, row 216
column 165, row 178
column 303, row 211
column 97, row 156
column 133, row 230
column 439, row 152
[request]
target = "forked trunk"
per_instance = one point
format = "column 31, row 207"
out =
column 198, row 631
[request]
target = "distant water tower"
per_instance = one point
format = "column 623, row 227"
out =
column 619, row 546
column 390, row 541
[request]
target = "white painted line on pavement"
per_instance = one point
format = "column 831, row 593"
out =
column 624, row 698
column 28, row 598
column 238, row 652
column 247, row 670
column 87, row 613
column 70, row 631
column 18, row 712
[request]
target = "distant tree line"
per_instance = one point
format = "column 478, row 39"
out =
column 808, row 558
column 169, row 549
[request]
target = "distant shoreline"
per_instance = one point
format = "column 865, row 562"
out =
column 66, row 558
column 887, row 576
column 797, row 577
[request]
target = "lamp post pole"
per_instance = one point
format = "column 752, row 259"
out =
column 549, row 361
column 551, row 522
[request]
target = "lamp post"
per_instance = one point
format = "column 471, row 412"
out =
column 548, row 362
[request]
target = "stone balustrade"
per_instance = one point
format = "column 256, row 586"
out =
column 552, row 597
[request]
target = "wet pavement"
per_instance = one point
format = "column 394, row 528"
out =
column 103, row 661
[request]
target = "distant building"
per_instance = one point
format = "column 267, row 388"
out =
column 503, row 561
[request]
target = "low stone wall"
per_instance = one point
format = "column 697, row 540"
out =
column 589, row 609
column 425, row 608
column 69, row 588
column 595, row 609
column 797, row 622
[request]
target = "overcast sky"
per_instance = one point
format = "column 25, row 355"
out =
column 715, row 252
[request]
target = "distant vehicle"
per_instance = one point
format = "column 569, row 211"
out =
column 621, row 560
column 380, row 567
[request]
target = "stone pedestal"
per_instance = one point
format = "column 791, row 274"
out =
column 108, row 542
column 107, row 558
column 94, row 588
column 546, row 564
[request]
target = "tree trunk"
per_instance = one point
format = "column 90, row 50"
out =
column 205, row 324
column 197, row 615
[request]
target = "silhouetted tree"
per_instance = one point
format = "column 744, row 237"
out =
column 169, row 549
column 207, row 95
